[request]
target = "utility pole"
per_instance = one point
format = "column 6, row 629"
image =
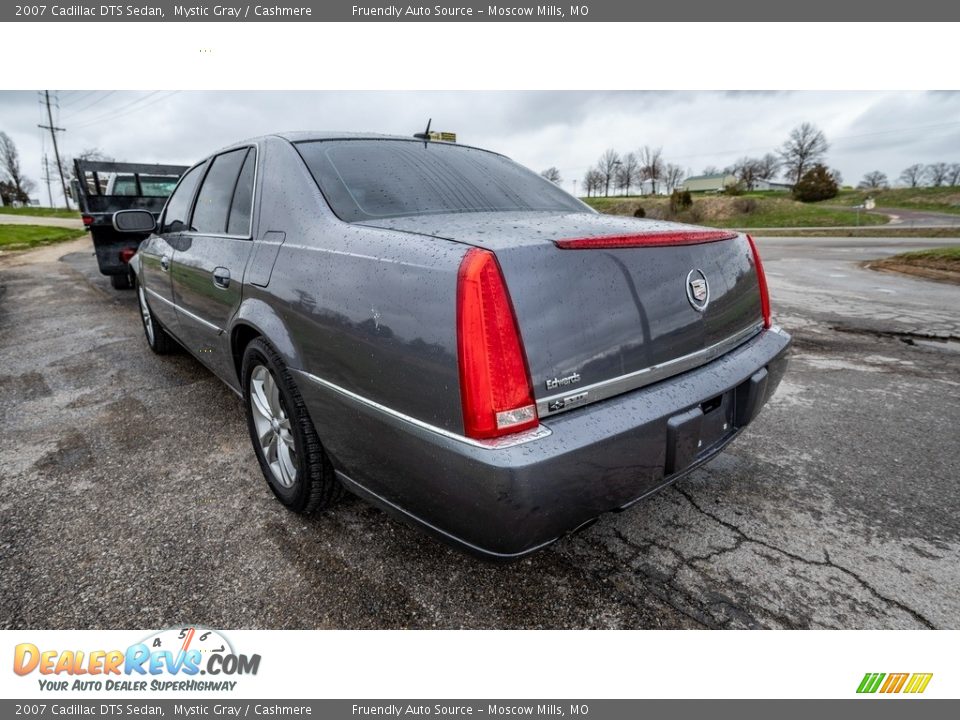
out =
column 46, row 177
column 56, row 152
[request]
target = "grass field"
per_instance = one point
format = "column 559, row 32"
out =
column 747, row 211
column 23, row 237
column 941, row 199
column 942, row 264
column 869, row 231
column 944, row 255
column 40, row 212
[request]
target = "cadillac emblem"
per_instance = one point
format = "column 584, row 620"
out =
column 698, row 290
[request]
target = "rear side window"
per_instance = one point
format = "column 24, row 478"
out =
column 368, row 179
column 216, row 193
column 240, row 208
column 178, row 206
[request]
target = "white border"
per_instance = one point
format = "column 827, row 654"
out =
column 487, row 56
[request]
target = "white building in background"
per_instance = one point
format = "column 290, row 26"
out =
column 708, row 183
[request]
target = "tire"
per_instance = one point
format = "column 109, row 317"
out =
column 121, row 282
column 157, row 338
column 290, row 454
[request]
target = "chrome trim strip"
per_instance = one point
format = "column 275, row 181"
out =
column 639, row 378
column 507, row 441
column 179, row 309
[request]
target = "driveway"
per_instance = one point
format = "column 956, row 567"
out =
column 130, row 496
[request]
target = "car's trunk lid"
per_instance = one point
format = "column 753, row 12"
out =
column 599, row 321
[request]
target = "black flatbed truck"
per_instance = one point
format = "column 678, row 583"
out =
column 103, row 188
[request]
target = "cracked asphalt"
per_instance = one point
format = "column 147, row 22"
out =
column 130, row 496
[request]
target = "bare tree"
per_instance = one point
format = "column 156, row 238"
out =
column 837, row 177
column 593, row 182
column 91, row 153
column 710, row 170
column 803, row 148
column 628, row 172
column 607, row 165
column 767, row 167
column 10, row 169
column 913, row 175
column 747, row 171
column 672, row 176
column 552, row 174
column 954, row 178
column 938, row 173
column 651, row 166
column 874, row 180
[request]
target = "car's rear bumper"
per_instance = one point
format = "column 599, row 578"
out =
column 505, row 502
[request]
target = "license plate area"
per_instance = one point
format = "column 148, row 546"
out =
column 694, row 433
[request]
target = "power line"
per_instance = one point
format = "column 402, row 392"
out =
column 78, row 98
column 130, row 110
column 78, row 110
column 116, row 111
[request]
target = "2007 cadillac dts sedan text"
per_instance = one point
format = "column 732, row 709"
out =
column 452, row 337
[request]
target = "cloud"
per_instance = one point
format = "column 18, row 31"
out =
column 867, row 130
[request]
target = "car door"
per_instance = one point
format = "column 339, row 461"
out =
column 207, row 267
column 156, row 254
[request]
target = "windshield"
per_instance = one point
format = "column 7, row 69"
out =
column 369, row 179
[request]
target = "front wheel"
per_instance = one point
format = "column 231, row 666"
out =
column 291, row 457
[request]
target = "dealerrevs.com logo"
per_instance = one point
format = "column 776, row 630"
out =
column 169, row 660
column 892, row 683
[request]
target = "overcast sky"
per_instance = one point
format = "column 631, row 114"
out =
column 867, row 131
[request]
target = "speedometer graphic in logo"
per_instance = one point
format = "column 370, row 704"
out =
column 183, row 639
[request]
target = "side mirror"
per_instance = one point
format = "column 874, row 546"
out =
column 134, row 221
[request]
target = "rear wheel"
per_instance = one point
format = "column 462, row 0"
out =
column 121, row 282
column 157, row 338
column 291, row 457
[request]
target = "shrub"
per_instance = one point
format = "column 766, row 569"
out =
column 745, row 206
column 679, row 201
column 733, row 189
column 818, row 183
column 640, row 212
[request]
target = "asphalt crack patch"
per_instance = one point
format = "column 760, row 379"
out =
column 827, row 562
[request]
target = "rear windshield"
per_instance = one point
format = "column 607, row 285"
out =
column 150, row 186
column 368, row 179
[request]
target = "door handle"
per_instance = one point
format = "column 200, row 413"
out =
column 221, row 277
column 165, row 262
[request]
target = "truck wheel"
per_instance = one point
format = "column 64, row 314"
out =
column 121, row 282
column 291, row 457
column 157, row 338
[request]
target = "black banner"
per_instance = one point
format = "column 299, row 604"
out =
column 467, row 11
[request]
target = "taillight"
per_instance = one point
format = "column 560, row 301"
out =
column 646, row 239
column 762, row 280
column 88, row 219
column 126, row 254
column 494, row 380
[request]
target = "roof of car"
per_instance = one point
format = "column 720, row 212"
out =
column 300, row 135
column 310, row 135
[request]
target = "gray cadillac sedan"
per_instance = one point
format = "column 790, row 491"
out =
column 450, row 336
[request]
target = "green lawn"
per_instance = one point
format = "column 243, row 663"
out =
column 40, row 212
column 941, row 199
column 949, row 254
column 770, row 210
column 22, row 237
